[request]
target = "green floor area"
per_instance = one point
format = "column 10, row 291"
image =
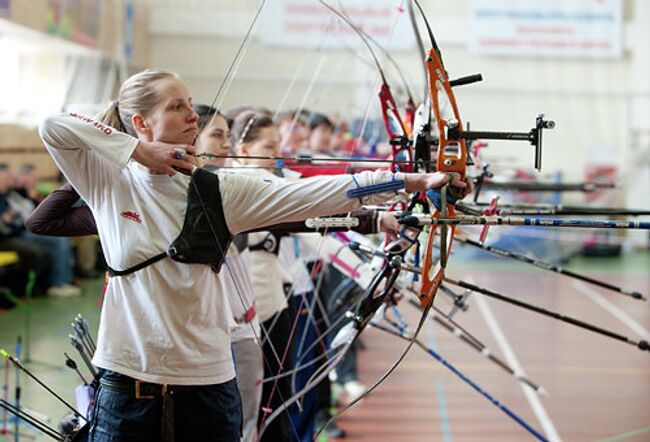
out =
column 45, row 324
column 630, row 263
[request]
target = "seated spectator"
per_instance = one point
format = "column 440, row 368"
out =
column 32, row 256
column 25, row 183
column 48, row 256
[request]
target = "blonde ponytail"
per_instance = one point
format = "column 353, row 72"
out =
column 137, row 96
column 111, row 117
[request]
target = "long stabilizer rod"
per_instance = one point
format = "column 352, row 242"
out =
column 641, row 345
column 547, row 266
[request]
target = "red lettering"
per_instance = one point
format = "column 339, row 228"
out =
column 105, row 129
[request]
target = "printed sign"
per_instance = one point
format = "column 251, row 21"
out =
column 306, row 23
column 76, row 20
column 551, row 28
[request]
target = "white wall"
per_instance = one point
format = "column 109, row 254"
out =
column 638, row 154
column 590, row 100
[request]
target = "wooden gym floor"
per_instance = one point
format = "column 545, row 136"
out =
column 598, row 389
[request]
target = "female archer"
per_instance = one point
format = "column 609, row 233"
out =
column 164, row 331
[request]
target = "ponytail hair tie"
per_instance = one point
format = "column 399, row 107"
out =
column 116, row 105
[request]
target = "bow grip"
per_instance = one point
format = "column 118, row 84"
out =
column 435, row 197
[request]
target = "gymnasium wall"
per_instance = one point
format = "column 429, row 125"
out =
column 590, row 100
column 601, row 107
column 55, row 58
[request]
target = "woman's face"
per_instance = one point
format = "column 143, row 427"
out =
column 266, row 144
column 215, row 139
column 320, row 139
column 172, row 119
column 294, row 137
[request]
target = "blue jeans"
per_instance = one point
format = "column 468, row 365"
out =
column 210, row 413
column 62, row 264
column 305, row 335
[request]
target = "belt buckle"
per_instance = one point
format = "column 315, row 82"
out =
column 138, row 383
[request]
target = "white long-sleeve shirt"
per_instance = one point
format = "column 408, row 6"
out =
column 238, row 287
column 265, row 272
column 292, row 259
column 168, row 323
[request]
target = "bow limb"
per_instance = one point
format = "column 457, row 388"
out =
column 421, row 51
column 387, row 54
column 387, row 100
column 374, row 297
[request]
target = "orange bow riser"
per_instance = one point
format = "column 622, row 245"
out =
column 451, row 157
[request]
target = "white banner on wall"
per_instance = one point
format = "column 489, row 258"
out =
column 549, row 28
column 308, row 24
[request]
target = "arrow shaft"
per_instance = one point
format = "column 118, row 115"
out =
column 31, row 420
column 475, row 343
column 548, row 187
column 20, row 366
column 558, row 209
column 541, row 222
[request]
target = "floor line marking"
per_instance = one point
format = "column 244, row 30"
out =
column 531, row 396
column 625, row 435
column 440, row 390
column 444, row 417
column 612, row 309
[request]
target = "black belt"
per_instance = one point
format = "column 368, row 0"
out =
column 147, row 390
column 144, row 390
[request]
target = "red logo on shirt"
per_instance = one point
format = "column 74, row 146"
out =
column 133, row 216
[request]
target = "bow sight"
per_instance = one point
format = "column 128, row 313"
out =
column 424, row 142
column 534, row 136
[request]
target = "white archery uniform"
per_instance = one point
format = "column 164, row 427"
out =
column 293, row 269
column 238, row 287
column 292, row 259
column 264, row 269
column 245, row 333
column 167, row 323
